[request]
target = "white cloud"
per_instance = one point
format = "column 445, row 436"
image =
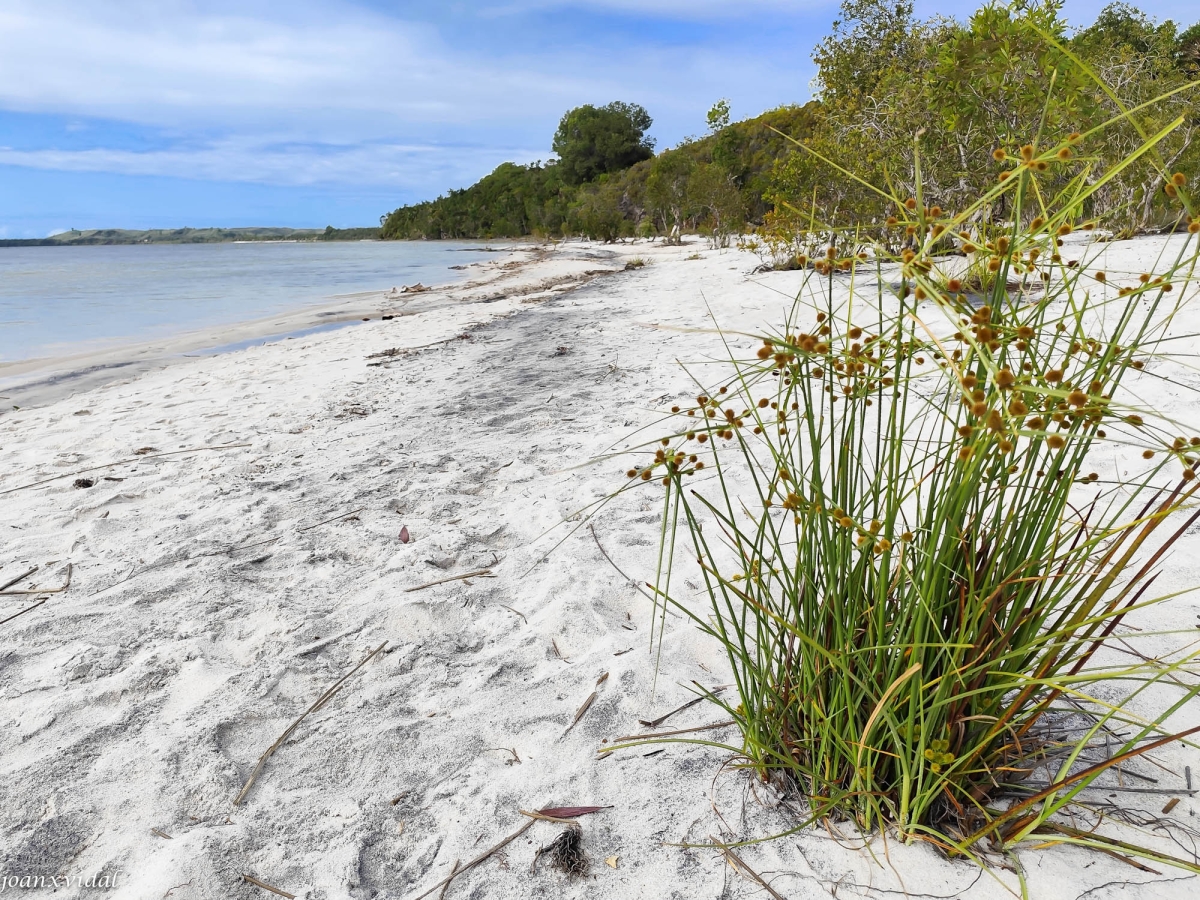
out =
column 375, row 164
column 337, row 94
column 170, row 64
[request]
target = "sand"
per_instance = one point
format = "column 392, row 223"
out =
column 216, row 594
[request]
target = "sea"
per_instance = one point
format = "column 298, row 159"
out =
column 55, row 301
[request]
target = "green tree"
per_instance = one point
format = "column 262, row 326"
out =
column 712, row 191
column 667, row 191
column 591, row 141
column 718, row 116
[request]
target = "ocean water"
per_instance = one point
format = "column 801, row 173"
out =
column 57, row 300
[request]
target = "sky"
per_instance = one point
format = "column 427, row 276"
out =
column 167, row 113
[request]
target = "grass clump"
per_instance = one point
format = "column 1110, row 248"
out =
column 907, row 509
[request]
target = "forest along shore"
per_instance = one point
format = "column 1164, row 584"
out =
column 203, row 550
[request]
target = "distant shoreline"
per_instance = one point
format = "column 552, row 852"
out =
column 120, row 236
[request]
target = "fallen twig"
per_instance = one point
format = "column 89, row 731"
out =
column 739, row 866
column 120, row 462
column 517, row 611
column 57, row 590
column 267, row 887
column 321, row 701
column 659, row 734
column 579, row 713
column 22, row 612
column 327, row 521
column 446, row 886
column 482, row 573
column 654, row 723
column 161, row 834
column 8, row 584
column 575, row 812
column 620, row 571
column 477, row 860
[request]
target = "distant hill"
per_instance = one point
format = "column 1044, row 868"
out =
column 194, row 236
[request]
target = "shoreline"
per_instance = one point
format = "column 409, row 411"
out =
column 42, row 380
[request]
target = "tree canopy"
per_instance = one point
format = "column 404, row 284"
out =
column 932, row 107
column 594, row 140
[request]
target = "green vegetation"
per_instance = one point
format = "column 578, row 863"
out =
column 920, row 577
column 917, row 577
column 891, row 89
column 591, row 142
column 731, row 170
column 195, row 236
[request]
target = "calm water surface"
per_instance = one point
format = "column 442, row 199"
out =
column 57, row 299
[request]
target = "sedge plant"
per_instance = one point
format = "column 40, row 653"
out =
column 909, row 553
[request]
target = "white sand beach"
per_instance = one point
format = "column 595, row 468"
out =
column 239, row 551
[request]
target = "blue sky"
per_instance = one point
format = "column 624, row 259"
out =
column 145, row 114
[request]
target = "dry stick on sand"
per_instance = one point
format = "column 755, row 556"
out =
column 641, row 590
column 57, row 590
column 654, row 723
column 8, row 584
column 446, row 886
column 120, row 462
column 744, row 870
column 482, row 573
column 659, row 734
column 267, row 887
column 477, row 860
column 587, row 704
column 321, row 701
column 22, row 612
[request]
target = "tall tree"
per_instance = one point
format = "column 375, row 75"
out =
column 593, row 140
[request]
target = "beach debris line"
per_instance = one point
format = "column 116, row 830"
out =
column 258, row 882
column 321, row 701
